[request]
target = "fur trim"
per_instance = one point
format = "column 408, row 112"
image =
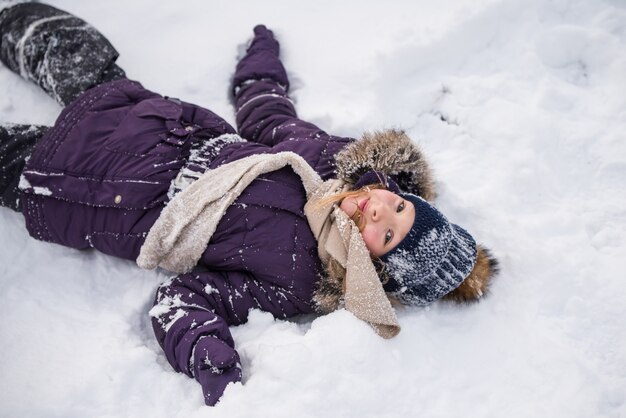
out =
column 391, row 152
column 476, row 285
column 328, row 294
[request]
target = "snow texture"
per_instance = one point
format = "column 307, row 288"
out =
column 519, row 106
column 203, row 152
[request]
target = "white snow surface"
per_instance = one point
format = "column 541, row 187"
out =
column 520, row 106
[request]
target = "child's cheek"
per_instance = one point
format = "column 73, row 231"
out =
column 370, row 238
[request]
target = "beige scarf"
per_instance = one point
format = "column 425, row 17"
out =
column 181, row 233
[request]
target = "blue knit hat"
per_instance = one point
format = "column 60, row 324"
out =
column 432, row 260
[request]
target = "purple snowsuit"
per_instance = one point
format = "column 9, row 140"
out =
column 263, row 254
column 100, row 177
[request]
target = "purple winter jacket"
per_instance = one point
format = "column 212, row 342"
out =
column 100, row 177
column 263, row 254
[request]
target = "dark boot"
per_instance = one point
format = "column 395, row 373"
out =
column 16, row 144
column 60, row 52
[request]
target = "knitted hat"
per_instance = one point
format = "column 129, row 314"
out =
column 377, row 177
column 432, row 260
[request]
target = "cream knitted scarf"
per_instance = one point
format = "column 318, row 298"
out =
column 181, row 233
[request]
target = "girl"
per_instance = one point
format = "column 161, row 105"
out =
column 289, row 220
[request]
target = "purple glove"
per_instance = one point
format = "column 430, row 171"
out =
column 264, row 40
column 216, row 364
column 261, row 61
column 262, row 30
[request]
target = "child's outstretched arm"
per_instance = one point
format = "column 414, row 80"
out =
column 191, row 315
column 264, row 112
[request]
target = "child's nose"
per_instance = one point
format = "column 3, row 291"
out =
column 378, row 211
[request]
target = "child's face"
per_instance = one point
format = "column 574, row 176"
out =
column 386, row 218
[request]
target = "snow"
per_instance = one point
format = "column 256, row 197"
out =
column 42, row 191
column 519, row 105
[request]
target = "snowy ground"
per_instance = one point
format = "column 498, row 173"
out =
column 521, row 106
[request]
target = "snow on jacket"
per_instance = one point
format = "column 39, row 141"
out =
column 262, row 255
column 100, row 177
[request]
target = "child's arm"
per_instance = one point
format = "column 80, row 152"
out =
column 265, row 114
column 191, row 316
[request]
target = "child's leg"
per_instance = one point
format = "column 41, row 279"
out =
column 60, row 52
column 16, row 144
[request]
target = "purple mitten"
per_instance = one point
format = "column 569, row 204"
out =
column 216, row 364
column 261, row 61
column 262, row 30
column 264, row 40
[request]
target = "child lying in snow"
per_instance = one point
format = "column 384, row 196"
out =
column 282, row 217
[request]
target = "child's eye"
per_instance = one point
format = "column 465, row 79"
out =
column 388, row 237
column 400, row 207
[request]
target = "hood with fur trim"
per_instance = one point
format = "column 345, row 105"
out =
column 476, row 285
column 392, row 152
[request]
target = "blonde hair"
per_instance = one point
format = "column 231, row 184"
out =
column 337, row 198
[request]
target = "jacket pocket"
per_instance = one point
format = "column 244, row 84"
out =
column 152, row 126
